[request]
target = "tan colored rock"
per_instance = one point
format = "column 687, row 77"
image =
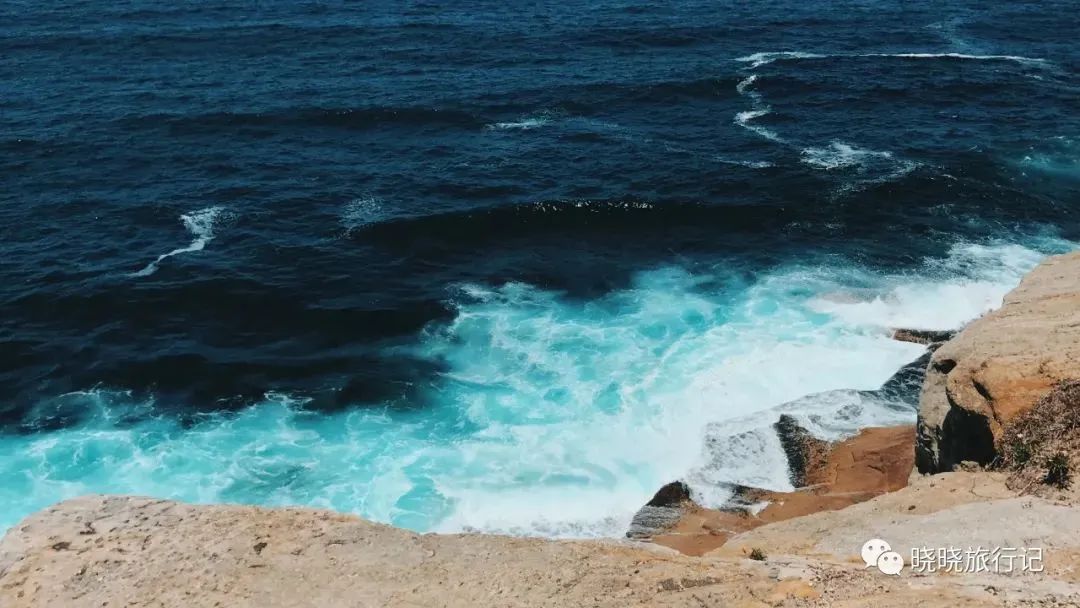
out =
column 999, row 366
column 876, row 461
column 952, row 510
column 124, row 551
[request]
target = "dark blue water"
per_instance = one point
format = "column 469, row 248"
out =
column 500, row 265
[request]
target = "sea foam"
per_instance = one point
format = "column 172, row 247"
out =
column 869, row 166
column 527, row 123
column 554, row 416
column 757, row 60
column 1059, row 156
column 200, row 224
column 363, row 211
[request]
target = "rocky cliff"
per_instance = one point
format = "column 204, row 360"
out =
column 999, row 366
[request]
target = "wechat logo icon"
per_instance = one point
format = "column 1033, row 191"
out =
column 876, row 552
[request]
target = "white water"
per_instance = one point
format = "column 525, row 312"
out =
column 839, row 155
column 828, row 156
column 873, row 166
column 869, row 166
column 745, row 120
column 527, row 123
column 200, row 224
column 556, row 416
column 1058, row 156
column 363, row 211
column 757, row 60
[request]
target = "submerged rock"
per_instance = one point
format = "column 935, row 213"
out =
column 930, row 337
column 805, row 453
column 905, row 385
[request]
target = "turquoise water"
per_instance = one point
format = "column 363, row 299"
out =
column 504, row 265
column 555, row 415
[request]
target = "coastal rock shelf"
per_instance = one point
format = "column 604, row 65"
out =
column 828, row 477
column 128, row 551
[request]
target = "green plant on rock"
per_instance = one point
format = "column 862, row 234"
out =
column 757, row 554
column 1057, row 471
column 1020, row 453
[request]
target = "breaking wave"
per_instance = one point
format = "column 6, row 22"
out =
column 553, row 416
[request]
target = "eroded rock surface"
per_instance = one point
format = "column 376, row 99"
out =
column 102, row 551
column 929, row 337
column 999, row 366
column 874, row 462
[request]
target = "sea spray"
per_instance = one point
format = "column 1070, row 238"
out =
column 555, row 416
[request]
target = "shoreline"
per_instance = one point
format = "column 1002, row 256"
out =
column 876, row 461
column 117, row 550
column 586, row 452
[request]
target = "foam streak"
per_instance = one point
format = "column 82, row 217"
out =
column 201, row 226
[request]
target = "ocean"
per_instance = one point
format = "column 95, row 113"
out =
column 499, row 266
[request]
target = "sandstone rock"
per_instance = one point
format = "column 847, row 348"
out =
column 807, row 458
column 999, row 366
column 954, row 509
column 874, row 462
column 166, row 554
